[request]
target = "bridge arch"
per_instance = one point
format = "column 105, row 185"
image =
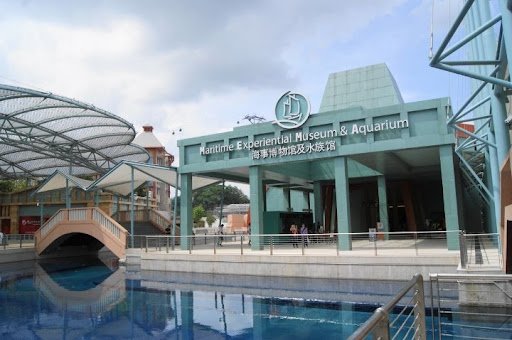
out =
column 88, row 221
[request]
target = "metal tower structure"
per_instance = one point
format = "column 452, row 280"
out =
column 483, row 55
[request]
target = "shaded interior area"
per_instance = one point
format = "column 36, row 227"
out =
column 413, row 182
column 73, row 242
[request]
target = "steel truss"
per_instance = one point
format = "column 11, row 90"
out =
column 41, row 132
column 487, row 65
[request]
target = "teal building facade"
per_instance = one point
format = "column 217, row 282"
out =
column 366, row 159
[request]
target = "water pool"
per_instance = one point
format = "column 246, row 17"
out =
column 89, row 300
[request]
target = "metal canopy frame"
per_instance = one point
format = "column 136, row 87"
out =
column 41, row 132
column 127, row 176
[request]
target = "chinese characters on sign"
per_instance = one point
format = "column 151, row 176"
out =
column 292, row 111
column 296, row 149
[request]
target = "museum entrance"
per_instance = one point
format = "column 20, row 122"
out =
column 413, row 205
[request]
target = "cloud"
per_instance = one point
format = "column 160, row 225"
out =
column 198, row 64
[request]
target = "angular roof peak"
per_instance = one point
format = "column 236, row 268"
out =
column 368, row 87
column 147, row 138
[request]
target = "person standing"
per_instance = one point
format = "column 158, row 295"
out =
column 221, row 232
column 304, row 234
column 1, row 238
column 295, row 236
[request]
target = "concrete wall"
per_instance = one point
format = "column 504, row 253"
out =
column 371, row 268
column 17, row 255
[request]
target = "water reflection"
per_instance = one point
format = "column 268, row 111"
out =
column 95, row 291
column 68, row 301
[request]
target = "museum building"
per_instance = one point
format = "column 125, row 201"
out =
column 365, row 160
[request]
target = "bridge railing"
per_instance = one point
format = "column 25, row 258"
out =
column 82, row 214
column 78, row 214
column 107, row 223
column 158, row 220
column 48, row 226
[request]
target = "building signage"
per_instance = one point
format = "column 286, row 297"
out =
column 30, row 224
column 292, row 111
column 302, row 142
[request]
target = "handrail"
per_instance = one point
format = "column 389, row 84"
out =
column 482, row 277
column 379, row 324
column 448, row 292
column 80, row 214
column 16, row 241
column 159, row 221
column 107, row 223
column 489, row 250
column 52, row 222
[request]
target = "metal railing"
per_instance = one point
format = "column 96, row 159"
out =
column 471, row 306
column 478, row 251
column 379, row 244
column 12, row 241
column 403, row 317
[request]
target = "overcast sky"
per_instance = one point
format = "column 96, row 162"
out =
column 203, row 65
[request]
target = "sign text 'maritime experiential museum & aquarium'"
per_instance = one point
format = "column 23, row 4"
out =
column 292, row 111
column 300, row 142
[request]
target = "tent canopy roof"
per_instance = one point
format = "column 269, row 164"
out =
column 58, row 181
column 118, row 179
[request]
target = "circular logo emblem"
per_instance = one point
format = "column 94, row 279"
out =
column 292, row 110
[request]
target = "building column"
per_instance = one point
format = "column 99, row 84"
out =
column 186, row 210
column 383, row 205
column 187, row 315
column 319, row 209
column 68, row 195
column 342, row 202
column 305, row 196
column 451, row 215
column 256, row 199
column 287, row 199
column 259, row 307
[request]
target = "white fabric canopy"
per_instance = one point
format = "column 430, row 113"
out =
column 58, row 179
column 119, row 178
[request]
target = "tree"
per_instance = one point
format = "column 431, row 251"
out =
column 210, row 197
column 210, row 219
column 198, row 213
column 13, row 185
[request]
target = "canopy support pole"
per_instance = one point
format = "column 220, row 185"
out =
column 175, row 209
column 132, row 212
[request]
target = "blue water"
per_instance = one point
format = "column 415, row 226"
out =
column 88, row 300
